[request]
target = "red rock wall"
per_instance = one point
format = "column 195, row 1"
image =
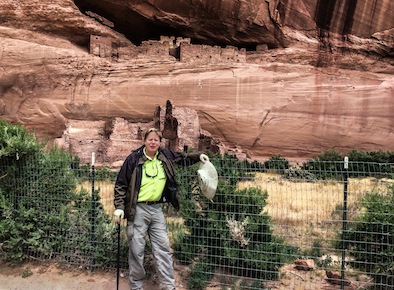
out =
column 307, row 92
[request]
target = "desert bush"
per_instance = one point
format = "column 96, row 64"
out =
column 201, row 274
column 42, row 214
column 374, row 163
column 329, row 164
column 90, row 236
column 233, row 232
column 277, row 164
column 296, row 173
column 370, row 238
column 35, row 188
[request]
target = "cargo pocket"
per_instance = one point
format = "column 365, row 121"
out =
column 130, row 230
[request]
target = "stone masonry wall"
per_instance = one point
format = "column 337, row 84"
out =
column 167, row 48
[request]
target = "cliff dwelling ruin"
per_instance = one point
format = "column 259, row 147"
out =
column 167, row 48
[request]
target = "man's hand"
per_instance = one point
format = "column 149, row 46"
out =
column 204, row 158
column 119, row 214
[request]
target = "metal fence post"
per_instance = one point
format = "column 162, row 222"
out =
column 344, row 220
column 93, row 221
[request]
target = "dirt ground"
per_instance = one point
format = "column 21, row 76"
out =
column 34, row 276
column 41, row 276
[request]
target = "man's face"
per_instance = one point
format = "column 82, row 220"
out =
column 152, row 143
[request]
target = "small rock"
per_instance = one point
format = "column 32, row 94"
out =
column 335, row 278
column 305, row 264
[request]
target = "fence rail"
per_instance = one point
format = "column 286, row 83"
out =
column 337, row 217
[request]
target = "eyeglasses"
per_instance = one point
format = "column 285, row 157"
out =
column 152, row 172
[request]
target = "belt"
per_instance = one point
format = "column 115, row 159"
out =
column 150, row 202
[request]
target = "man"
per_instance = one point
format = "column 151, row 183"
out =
column 145, row 181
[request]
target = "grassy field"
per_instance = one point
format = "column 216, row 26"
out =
column 304, row 213
column 308, row 213
column 105, row 189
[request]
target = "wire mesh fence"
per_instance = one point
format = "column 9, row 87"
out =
column 322, row 222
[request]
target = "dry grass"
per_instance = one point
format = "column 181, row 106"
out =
column 302, row 212
column 106, row 192
column 305, row 212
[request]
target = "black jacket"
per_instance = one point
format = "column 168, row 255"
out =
column 128, row 181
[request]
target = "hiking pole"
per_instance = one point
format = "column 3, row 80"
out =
column 118, row 258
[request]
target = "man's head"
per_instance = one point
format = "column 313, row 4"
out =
column 154, row 130
column 152, row 139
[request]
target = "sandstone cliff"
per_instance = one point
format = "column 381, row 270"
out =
column 300, row 76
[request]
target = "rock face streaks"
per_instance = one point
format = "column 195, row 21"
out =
column 256, row 78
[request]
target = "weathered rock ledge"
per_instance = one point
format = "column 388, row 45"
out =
column 300, row 87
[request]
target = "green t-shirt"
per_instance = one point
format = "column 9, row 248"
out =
column 153, row 180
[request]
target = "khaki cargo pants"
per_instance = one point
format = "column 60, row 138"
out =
column 149, row 219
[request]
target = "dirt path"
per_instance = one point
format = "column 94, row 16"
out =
column 34, row 276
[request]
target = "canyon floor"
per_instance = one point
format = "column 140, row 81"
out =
column 42, row 276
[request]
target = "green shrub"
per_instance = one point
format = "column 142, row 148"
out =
column 371, row 237
column 296, row 173
column 330, row 164
column 15, row 231
column 36, row 187
column 277, row 164
column 16, row 142
column 42, row 214
column 373, row 163
column 233, row 232
column 91, row 236
column 200, row 275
